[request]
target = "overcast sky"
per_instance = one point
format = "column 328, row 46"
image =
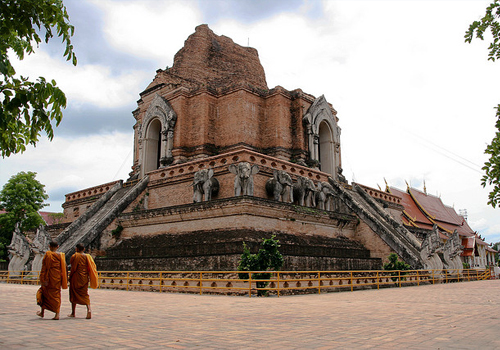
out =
column 415, row 103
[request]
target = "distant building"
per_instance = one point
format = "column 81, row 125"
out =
column 423, row 211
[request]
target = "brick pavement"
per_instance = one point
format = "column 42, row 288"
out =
column 447, row 316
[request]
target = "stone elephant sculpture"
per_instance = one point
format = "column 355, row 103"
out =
column 280, row 186
column 304, row 191
column 243, row 181
column 325, row 196
column 204, row 185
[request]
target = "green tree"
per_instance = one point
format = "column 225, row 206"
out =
column 268, row 258
column 21, row 198
column 477, row 29
column 3, row 251
column 395, row 265
column 29, row 107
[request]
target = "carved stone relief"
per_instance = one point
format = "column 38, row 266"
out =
column 451, row 252
column 325, row 196
column 19, row 250
column 160, row 110
column 304, row 192
column 39, row 246
column 205, row 185
column 243, row 181
column 323, row 137
column 430, row 250
column 280, row 186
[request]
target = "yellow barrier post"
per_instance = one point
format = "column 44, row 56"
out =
column 249, row 284
column 352, row 283
column 378, row 280
column 128, row 280
column 201, row 282
column 278, row 285
column 399, row 278
column 161, row 281
column 319, row 282
column 418, row 279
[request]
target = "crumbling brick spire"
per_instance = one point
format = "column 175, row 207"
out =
column 216, row 61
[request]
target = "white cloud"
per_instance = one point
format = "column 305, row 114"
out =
column 75, row 163
column 407, row 88
column 93, row 84
column 149, row 29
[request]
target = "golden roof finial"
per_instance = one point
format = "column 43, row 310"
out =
column 386, row 186
column 425, row 188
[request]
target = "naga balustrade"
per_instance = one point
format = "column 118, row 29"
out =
column 279, row 283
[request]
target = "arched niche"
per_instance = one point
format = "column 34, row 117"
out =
column 152, row 145
column 156, row 134
column 326, row 148
column 323, row 136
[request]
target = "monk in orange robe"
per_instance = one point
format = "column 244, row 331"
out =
column 83, row 271
column 53, row 277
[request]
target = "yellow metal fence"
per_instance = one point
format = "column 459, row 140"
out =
column 278, row 283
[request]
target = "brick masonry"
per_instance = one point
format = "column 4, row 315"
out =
column 226, row 114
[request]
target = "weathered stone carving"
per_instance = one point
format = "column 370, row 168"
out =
column 325, row 196
column 280, row 186
column 323, row 136
column 204, row 185
column 159, row 109
column 340, row 176
column 429, row 252
column 19, row 249
column 39, row 246
column 304, row 192
column 243, row 181
column 451, row 253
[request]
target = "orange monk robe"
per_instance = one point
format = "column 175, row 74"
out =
column 53, row 277
column 83, row 271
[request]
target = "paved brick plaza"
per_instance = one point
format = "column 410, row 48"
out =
column 448, row 316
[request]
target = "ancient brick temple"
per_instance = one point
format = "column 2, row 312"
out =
column 221, row 159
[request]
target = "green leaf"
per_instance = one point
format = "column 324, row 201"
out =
column 29, row 107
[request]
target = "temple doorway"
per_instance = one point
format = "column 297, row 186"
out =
column 152, row 146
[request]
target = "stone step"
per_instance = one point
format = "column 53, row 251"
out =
column 104, row 213
column 380, row 223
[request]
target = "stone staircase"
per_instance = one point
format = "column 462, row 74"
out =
column 394, row 234
column 90, row 225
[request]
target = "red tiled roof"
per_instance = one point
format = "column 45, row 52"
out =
column 49, row 219
column 489, row 249
column 411, row 209
column 424, row 210
column 435, row 208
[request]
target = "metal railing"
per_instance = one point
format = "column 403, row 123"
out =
column 279, row 283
